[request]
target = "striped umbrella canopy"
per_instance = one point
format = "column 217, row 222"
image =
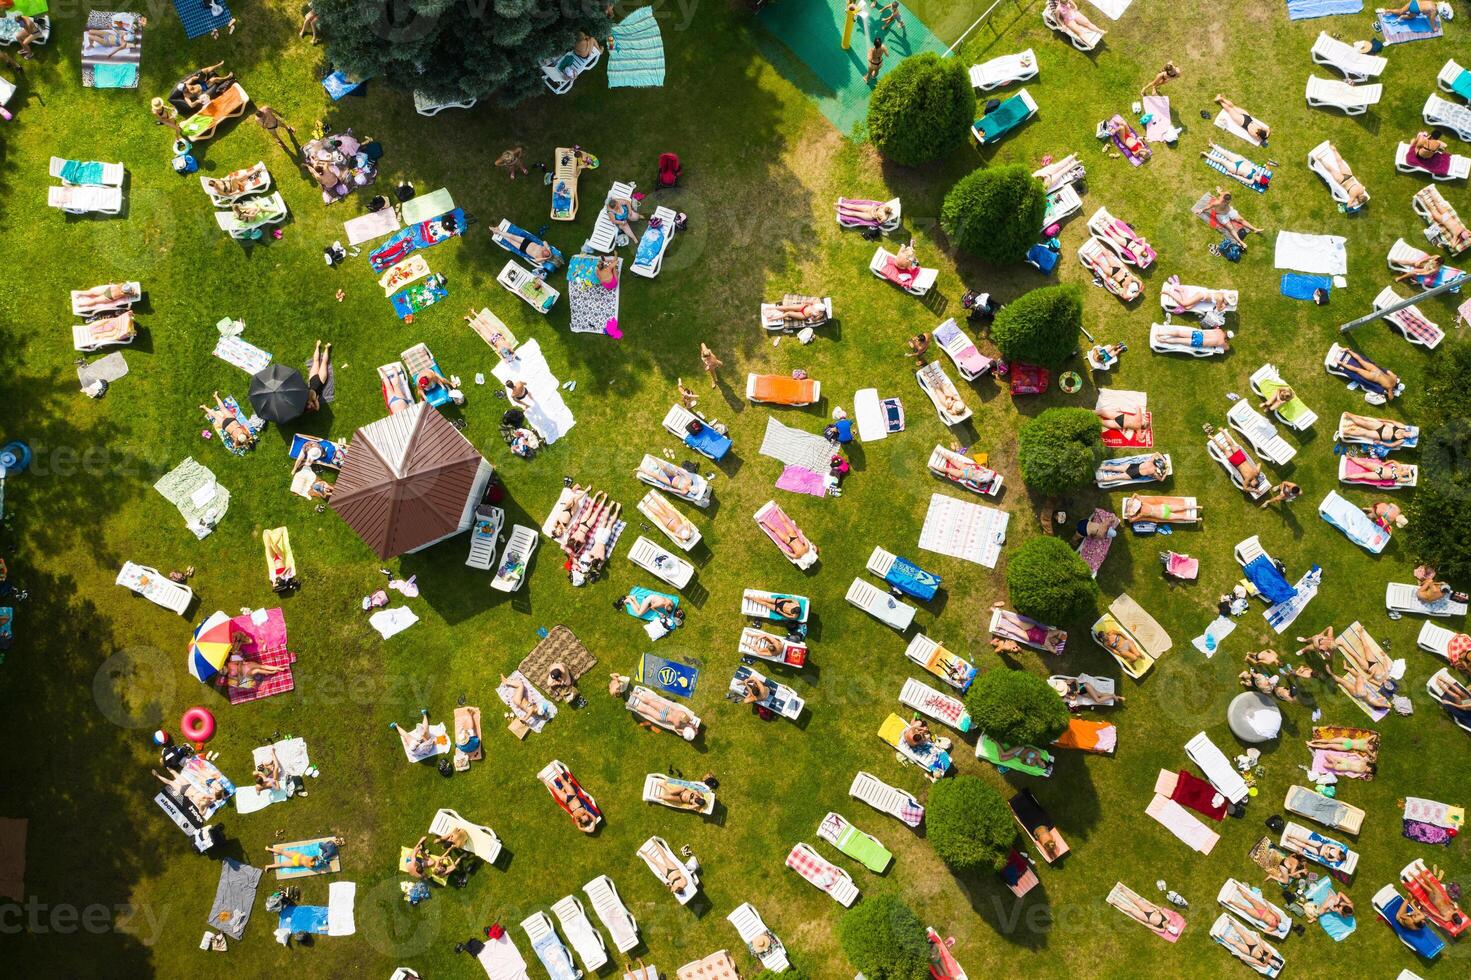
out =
column 210, row 646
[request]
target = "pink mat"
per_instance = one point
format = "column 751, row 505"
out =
column 798, row 479
column 1157, row 106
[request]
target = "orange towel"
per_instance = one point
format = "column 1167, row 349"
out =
column 1088, row 736
column 783, row 390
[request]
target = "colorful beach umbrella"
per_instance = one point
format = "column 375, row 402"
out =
column 210, row 646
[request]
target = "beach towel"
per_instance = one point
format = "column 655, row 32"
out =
column 796, row 479
column 366, row 227
column 247, row 357
column 545, row 709
column 265, row 630
column 1258, row 178
column 391, row 622
column 796, row 447
column 668, row 676
column 559, row 646
column 1321, row 254
column 109, row 369
column 1174, row 818
column 1282, row 615
column 412, row 268
column 1094, row 551
column 82, row 172
column 198, row 20
column 1118, row 141
column 1113, row 8
column 1308, row 9
column 1269, row 580
column 1088, row 736
column 1395, row 30
column 1336, row 925
column 420, row 296
column 303, row 918
column 412, row 238
column 594, row 306
column 961, row 529
column 1298, row 285
column 636, row 59
column 1159, row 129
column 233, row 407
column 426, row 206
column 1003, row 118
column 1431, row 822
column 1188, row 789
column 548, row 413
column 1210, row 641
column 340, row 898
column 234, row 897
column 194, row 491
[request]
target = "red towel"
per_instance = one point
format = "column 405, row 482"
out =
column 1197, row 794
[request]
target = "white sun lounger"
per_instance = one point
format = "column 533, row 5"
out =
column 1434, row 231
column 1436, row 639
column 698, row 494
column 1460, row 167
column 654, row 780
column 940, row 456
column 1162, row 346
column 1062, row 202
column 755, row 610
column 529, row 289
column 1231, row 891
column 257, row 181
column 897, row 803
column 613, row 914
column 1449, row 73
column 1106, row 480
column 661, row 563
column 89, row 336
column 748, row 925
column 651, row 268
column 1451, row 115
column 880, row 605
column 515, row 559
column 1059, row 176
column 1326, row 810
column 686, row 537
column 822, row 874
column 1300, row 417
column 935, row 704
column 560, row 71
column 112, row 174
column 968, row 361
column 933, row 380
column 923, row 281
column 1217, row 453
column 604, row 232
column 938, row 660
column 1087, row 43
column 755, row 643
column 426, row 106
column 1401, row 597
column 1201, row 308
column 1440, row 687
column 1352, row 100
column 555, row 957
column 1082, row 699
column 656, row 847
column 481, row 840
column 1225, row 925
column 85, row 200
column 580, row 933
column 1005, row 70
column 1316, row 156
column 896, row 215
column 1093, row 254
column 1217, row 768
column 156, row 587
column 1344, row 58
column 1354, row 523
column 483, row 542
column 274, row 213
column 1260, row 433
column 1410, row 323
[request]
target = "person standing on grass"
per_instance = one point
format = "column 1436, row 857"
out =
column 1168, row 72
column 164, row 115
column 513, row 160
column 273, row 124
column 1287, row 492
column 308, row 23
column 875, row 60
column 711, row 364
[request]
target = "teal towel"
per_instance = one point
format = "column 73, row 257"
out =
column 82, row 172
column 637, row 58
column 115, row 76
column 1462, row 85
column 1005, row 118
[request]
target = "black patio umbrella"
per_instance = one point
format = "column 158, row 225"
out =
column 278, row 394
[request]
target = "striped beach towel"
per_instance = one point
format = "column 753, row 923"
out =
column 637, row 57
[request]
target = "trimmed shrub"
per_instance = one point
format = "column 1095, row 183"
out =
column 921, row 110
column 1060, row 449
column 1439, row 532
column 969, row 825
column 994, row 213
column 1048, row 581
column 1040, row 327
column 884, row 940
column 1016, row 708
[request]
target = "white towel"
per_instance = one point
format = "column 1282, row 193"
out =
column 1113, row 8
column 340, row 897
column 961, row 529
column 1180, row 822
column 1219, row 629
column 389, row 622
column 1324, row 255
column 870, row 415
column 292, row 755
column 548, row 414
column 366, row 227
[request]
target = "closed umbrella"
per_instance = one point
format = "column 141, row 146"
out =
column 278, row 393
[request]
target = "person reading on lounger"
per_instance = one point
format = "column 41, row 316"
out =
column 1118, row 643
column 1457, row 237
column 1266, row 684
column 672, row 874
column 1070, row 20
column 1223, row 217
column 1356, row 686
column 918, row 737
column 1246, row 903
column 1213, row 338
column 1235, row 456
column 1342, row 174
column 660, row 711
column 783, row 606
column 1185, row 298
column 1278, row 398
column 105, row 297
column 1125, row 420
column 1129, row 139
column 1146, row 913
column 1137, row 508
column 1115, row 274
column 1255, row 128
column 1254, row 951
column 669, row 476
column 1153, row 468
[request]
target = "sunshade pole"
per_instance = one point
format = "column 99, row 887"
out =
column 1444, row 287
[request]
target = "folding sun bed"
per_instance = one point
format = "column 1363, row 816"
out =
column 945, row 664
column 961, row 350
column 85, row 200
column 1419, row 881
column 586, row 940
column 1126, row 900
column 611, row 911
column 1226, row 927
column 648, row 257
column 1062, row 202
column 1456, row 118
column 917, row 281
column 1160, row 345
column 866, row 849
column 748, row 925
column 1326, row 810
column 653, row 793
column 660, row 563
column 1090, row 41
column 977, row 478
column 771, row 648
column 1442, row 166
column 1109, row 626
column 560, row 71
column 1224, row 449
column 1354, row 523
column 227, row 105
column 605, row 233
column 1030, row 816
column 1027, row 631
column 156, row 587
column 555, row 957
column 118, row 329
column 903, row 574
column 1354, row 65
column 1442, row 686
column 822, row 874
column 849, row 218
column 484, row 533
column 87, row 173
column 1005, row 70
column 1319, row 848
column 1401, row 597
column 780, row 699
column 1202, row 307
column 880, row 605
column 514, row 559
column 772, row 317
column 1351, row 100
column 1006, row 117
column 650, row 468
column 1260, row 433
column 480, row 840
column 931, row 759
column 543, row 268
column 132, row 292
column 658, row 855
column 530, row 289
column 1409, row 322
column 1093, row 255
column 676, row 527
column 1293, row 413
column 943, row 393
column 1318, row 158
column 1121, row 238
column 780, row 389
column 1446, row 644
column 1422, row 941
column 774, row 521
column 273, row 212
column 570, row 164
column 1454, row 80
column 1217, row 768
column 935, row 704
column 897, row 803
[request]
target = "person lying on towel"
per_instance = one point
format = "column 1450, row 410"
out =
column 1185, row 298
column 1358, row 687
column 681, row 797
column 784, row 607
column 523, row 700
column 314, row 857
column 787, row 535
column 565, row 792
column 1342, row 174
column 533, row 248
column 1253, row 951
column 1457, row 236
column 1118, row 643
column 1342, row 762
column 1129, row 140
column 1125, row 420
column 1236, row 165
column 1386, row 471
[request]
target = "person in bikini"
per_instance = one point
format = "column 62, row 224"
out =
column 1156, row 467
column 1146, row 913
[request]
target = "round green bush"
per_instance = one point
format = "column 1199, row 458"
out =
column 921, row 110
column 884, row 940
column 1060, row 449
column 1048, row 581
column 1015, row 707
column 969, row 825
column 994, row 213
column 1040, row 327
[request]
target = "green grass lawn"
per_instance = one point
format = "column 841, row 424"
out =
column 95, row 670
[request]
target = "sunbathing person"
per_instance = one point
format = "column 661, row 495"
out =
column 247, row 212
column 1254, row 951
column 1116, row 275
column 1047, row 839
column 1343, row 743
column 1441, row 905
column 1360, row 468
column 234, row 430
column 668, row 476
column 1371, row 663
column 783, row 606
column 105, row 297
column 756, row 691
column 1070, row 20
column 289, row 858
column 589, row 518
column 1223, row 216
column 1118, row 643
column 1278, row 398
column 1425, row 270
column 1234, row 164
column 1153, row 468
column 674, row 875
column 1125, row 420
column 1365, row 428
column 1328, row 853
column 1457, row 236
column 121, row 35
column 670, row 519
column 653, row 602
column 1266, row 684
column 1366, row 370
column 788, row 536
column 802, row 308
column 877, row 213
column 419, row 740
column 681, row 797
column 967, row 472
column 523, row 700
column 533, row 248
column 1059, row 172
column 422, row 864
column 918, row 736
column 202, row 796
column 1025, row 755
column 598, row 554
column 950, row 401
column 561, row 518
column 1198, row 339
column 1270, row 660
column 1076, row 689
column 661, row 711
column 622, row 211
column 117, row 328
column 232, row 184
column 1246, row 903
column 607, row 272
column 1236, row 458
column 1431, row 591
column 317, row 375
column 1319, row 643
column 1410, row 916
column 565, row 793
column 1415, row 9
column 1128, row 139
column 1291, row 867
column 905, row 260
column 1255, row 128
column 766, row 645
column 1356, row 686
column 1185, row 298
column 1137, row 508
column 1342, row 175
column 1122, row 235
column 1146, row 913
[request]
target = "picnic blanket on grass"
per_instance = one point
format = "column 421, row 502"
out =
column 110, row 58
column 961, row 529
column 193, row 489
column 1324, row 255
column 1395, row 30
column 636, row 59
column 420, row 296
column 548, row 414
column 1159, row 128
column 594, row 307
column 234, row 897
column 1300, row 285
column 199, row 20
column 798, row 479
column 267, row 645
column 560, row 646
column 366, row 227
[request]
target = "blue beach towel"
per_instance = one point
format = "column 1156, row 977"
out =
column 649, row 245
column 304, row 918
column 1401, row 30
column 668, row 676
column 912, row 580
column 197, row 19
column 114, row 76
column 1300, row 285
column 1308, row 9
column 1269, row 580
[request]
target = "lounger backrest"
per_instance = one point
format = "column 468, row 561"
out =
column 610, row 909
column 1217, row 768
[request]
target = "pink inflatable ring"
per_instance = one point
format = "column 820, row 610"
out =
column 197, row 725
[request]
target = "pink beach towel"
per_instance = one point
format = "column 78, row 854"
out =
column 1178, row 821
column 1158, row 108
column 267, row 646
column 800, row 480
